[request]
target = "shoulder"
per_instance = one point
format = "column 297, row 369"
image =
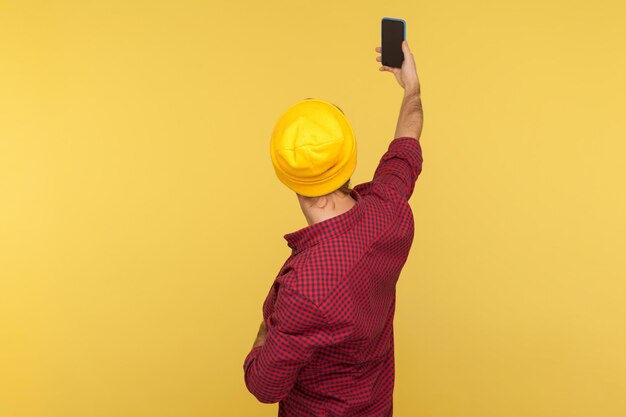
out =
column 318, row 270
column 381, row 197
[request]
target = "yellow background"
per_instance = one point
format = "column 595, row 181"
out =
column 141, row 223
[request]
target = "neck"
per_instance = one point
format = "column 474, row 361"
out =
column 318, row 209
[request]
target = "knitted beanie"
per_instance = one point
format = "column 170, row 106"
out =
column 313, row 148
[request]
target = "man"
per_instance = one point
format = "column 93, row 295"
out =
column 325, row 346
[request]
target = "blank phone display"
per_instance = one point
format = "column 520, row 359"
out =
column 392, row 37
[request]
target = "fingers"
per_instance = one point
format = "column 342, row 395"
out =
column 405, row 48
column 378, row 49
column 390, row 69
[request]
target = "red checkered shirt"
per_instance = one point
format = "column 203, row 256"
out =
column 329, row 349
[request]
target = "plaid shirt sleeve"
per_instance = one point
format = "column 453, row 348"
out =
column 295, row 329
column 401, row 165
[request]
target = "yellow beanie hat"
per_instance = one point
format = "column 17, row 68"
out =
column 313, row 148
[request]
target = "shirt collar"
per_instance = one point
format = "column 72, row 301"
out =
column 326, row 229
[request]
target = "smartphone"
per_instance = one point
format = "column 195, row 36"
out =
column 393, row 32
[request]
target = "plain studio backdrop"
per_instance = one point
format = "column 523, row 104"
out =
column 141, row 222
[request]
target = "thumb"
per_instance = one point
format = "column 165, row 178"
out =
column 405, row 47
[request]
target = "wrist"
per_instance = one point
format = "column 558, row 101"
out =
column 413, row 91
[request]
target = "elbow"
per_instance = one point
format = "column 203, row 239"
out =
column 269, row 399
column 266, row 396
column 268, row 385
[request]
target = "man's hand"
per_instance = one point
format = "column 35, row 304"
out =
column 407, row 75
column 260, row 337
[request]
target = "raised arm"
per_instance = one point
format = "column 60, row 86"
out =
column 411, row 116
column 400, row 166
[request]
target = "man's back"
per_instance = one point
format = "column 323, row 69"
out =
column 331, row 307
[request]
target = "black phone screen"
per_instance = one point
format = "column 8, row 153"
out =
column 392, row 37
